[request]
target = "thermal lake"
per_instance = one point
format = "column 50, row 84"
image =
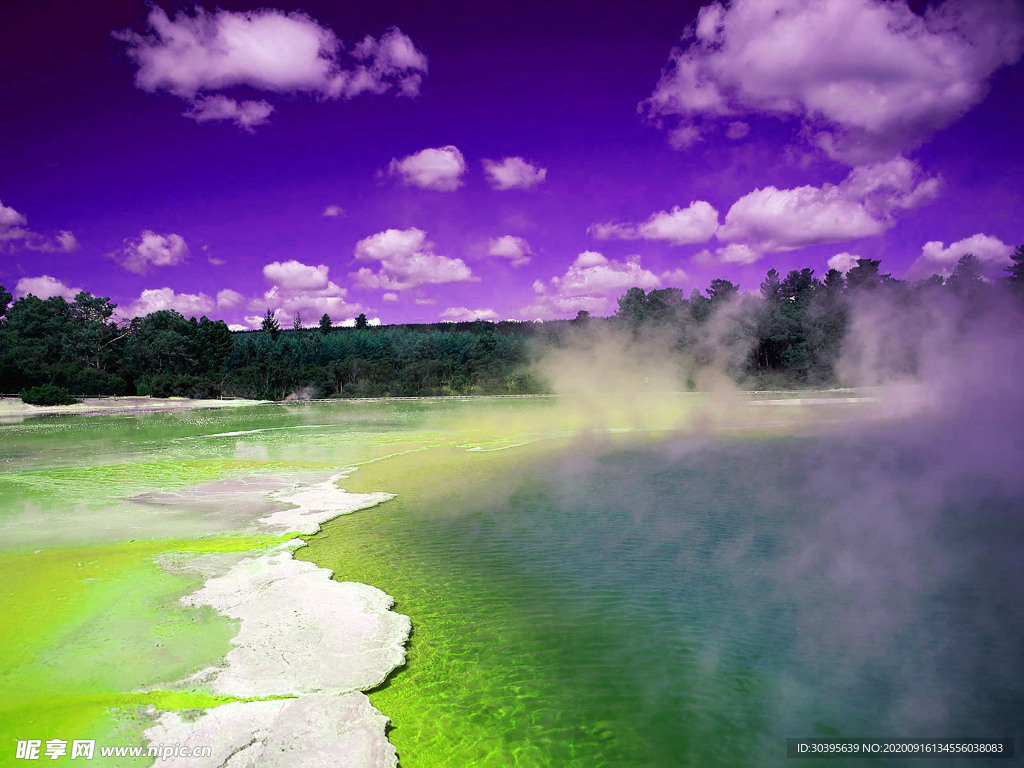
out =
column 675, row 581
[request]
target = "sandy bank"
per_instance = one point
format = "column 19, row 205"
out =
column 300, row 634
column 310, row 731
column 300, row 631
column 12, row 410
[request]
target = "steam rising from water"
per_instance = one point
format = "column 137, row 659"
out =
column 904, row 581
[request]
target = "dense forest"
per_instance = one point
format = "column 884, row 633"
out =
column 790, row 334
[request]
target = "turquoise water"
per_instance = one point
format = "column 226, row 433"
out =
column 689, row 603
column 582, row 598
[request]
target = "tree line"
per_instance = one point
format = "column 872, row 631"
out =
column 789, row 334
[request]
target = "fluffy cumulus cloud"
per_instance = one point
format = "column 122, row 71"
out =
column 590, row 283
column 293, row 275
column 195, row 56
column 407, row 260
column 737, row 253
column 843, row 262
column 45, row 287
column 15, row 235
column 10, row 218
column 513, row 173
column 868, row 78
column 437, row 168
column 303, row 289
column 229, row 299
column 150, row 249
column 696, row 223
column 463, row 315
column 863, row 204
column 937, row 259
column 675, row 277
column 515, row 249
column 155, row 299
column 334, row 211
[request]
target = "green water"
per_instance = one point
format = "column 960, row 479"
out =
column 578, row 597
column 629, row 605
column 93, row 628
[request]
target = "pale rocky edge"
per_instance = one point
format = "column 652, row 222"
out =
column 13, row 410
column 301, row 635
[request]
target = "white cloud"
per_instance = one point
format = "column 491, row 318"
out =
column 515, row 249
column 866, row 78
column 389, row 297
column 155, row 299
column 14, row 234
column 406, row 261
column 843, row 262
column 229, row 299
column 463, row 315
column 45, row 287
column 246, row 114
column 863, row 204
column 675, row 277
column 303, row 289
column 293, row 275
column 513, row 173
column 65, row 242
column 737, row 253
column 150, row 249
column 589, row 283
column 935, row 259
column 194, row 56
column 10, row 217
column 696, row 223
column 333, row 211
column 351, row 322
column 437, row 168
column 238, row 327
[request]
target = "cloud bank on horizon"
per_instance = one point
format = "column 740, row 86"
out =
column 786, row 133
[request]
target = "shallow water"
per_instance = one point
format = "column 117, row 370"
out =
column 681, row 605
column 679, row 594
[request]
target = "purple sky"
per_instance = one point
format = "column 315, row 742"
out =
column 422, row 161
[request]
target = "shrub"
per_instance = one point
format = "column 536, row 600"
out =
column 48, row 394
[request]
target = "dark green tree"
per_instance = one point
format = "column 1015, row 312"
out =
column 325, row 324
column 834, row 281
column 1015, row 271
column 722, row 291
column 665, row 305
column 797, row 290
column 771, row 326
column 270, row 325
column 771, row 287
column 632, row 308
column 297, row 322
column 361, row 321
column 966, row 275
column 5, row 300
column 865, row 275
column 700, row 306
